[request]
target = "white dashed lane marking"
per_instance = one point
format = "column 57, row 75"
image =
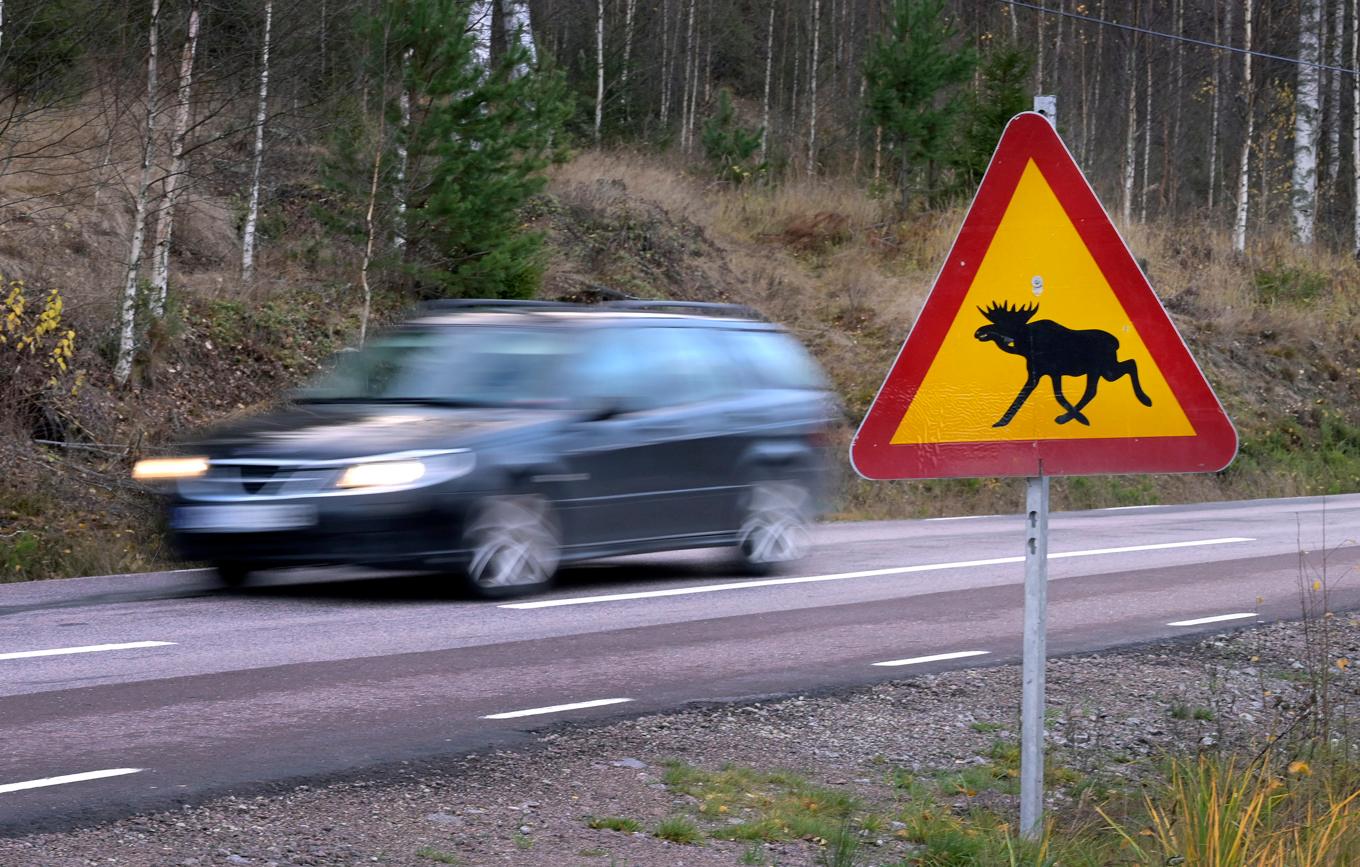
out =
column 557, row 708
column 68, row 778
column 89, row 648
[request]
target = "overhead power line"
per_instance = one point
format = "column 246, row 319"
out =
column 1175, row 37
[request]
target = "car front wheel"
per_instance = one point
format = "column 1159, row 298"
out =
column 514, row 544
column 774, row 529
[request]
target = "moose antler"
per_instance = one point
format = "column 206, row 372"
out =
column 1004, row 313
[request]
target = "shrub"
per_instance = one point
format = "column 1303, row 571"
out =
column 36, row 352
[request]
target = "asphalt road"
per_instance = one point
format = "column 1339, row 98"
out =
column 125, row 693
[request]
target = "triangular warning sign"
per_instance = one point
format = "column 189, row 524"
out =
column 1041, row 349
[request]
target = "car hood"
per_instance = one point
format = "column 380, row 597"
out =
column 323, row 432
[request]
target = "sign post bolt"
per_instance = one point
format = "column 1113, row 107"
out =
column 1032, row 671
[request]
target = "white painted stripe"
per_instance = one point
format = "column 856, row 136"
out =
column 557, row 708
column 866, row 573
column 1218, row 618
column 1125, row 508
column 970, row 517
column 69, row 778
column 90, row 648
column 938, row 657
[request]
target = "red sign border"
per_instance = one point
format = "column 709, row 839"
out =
column 1029, row 136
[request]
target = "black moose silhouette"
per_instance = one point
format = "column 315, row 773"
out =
column 1055, row 351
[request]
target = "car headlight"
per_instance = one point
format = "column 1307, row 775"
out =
column 169, row 469
column 385, row 474
column 429, row 469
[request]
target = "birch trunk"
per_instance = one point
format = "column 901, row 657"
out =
column 629, row 8
column 253, row 213
column 1239, row 235
column 1174, row 139
column 127, row 309
column 694, row 82
column 370, row 231
column 1355, row 118
column 812, row 88
column 403, row 158
column 1334, row 97
column 689, row 69
column 769, row 68
column 165, row 220
column 665, row 61
column 1215, row 97
column 1039, row 50
column 1303, row 188
column 1095, row 88
column 1147, row 135
column 1130, row 134
column 599, row 68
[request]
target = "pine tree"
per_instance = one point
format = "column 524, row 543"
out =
column 1002, row 94
column 728, row 144
column 478, row 140
column 913, row 73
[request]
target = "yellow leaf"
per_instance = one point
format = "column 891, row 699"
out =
column 1343, row 663
column 1300, row 767
column 1317, row 585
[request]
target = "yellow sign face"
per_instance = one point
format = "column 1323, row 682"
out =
column 1041, row 348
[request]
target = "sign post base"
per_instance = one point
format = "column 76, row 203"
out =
column 1032, row 672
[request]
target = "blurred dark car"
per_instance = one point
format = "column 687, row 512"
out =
column 495, row 440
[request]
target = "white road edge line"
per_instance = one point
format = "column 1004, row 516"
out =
column 970, row 517
column 90, row 648
column 1125, row 508
column 557, row 708
column 938, row 657
column 68, row 778
column 866, row 573
column 1217, row 618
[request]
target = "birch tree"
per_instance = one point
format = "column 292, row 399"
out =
column 403, row 135
column 1239, row 233
column 769, row 68
column 127, row 310
column 1130, row 130
column 1333, row 121
column 165, row 220
column 812, row 88
column 1355, row 121
column 253, row 211
column 599, row 68
column 1303, row 192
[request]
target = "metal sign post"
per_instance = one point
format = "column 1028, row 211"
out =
column 1035, row 655
column 1032, row 670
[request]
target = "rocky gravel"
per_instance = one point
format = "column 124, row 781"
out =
column 1111, row 716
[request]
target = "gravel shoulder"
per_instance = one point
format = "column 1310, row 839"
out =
column 1111, row 717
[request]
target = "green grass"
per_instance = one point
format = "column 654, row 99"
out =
column 679, row 829
column 437, row 855
column 614, row 823
column 986, row 727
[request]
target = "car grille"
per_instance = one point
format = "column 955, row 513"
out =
column 231, row 482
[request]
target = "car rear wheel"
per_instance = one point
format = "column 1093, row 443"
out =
column 515, row 545
column 774, row 529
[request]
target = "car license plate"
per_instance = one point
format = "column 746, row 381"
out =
column 243, row 518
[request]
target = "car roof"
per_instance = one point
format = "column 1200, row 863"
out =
column 494, row 312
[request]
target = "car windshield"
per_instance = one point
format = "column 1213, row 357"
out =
column 468, row 365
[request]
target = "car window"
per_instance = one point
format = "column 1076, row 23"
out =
column 775, row 360
column 477, row 365
column 686, row 366
column 648, row 367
